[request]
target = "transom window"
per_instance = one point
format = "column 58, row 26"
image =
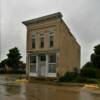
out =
column 52, row 58
column 42, row 58
column 33, row 35
column 32, row 59
column 33, row 40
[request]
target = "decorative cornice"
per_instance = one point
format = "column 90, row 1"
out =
column 37, row 20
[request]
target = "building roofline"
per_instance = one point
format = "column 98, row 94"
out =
column 70, row 33
column 32, row 21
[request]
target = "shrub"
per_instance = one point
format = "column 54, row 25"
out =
column 90, row 72
column 68, row 77
column 81, row 79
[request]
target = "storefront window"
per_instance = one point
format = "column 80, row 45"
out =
column 32, row 63
column 52, row 63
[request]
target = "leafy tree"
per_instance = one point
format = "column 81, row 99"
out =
column 88, row 65
column 3, row 63
column 90, row 72
column 14, row 57
column 95, row 57
column 90, row 69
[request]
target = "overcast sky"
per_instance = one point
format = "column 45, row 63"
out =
column 81, row 16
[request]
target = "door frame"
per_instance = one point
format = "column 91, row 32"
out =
column 42, row 65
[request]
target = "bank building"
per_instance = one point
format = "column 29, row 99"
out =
column 52, row 50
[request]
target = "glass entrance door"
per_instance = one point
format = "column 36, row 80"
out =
column 42, row 65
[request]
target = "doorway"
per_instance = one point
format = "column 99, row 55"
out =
column 42, row 65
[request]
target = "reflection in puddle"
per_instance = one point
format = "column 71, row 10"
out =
column 89, row 95
column 11, row 90
column 32, row 91
column 10, row 78
column 85, row 94
column 16, row 90
column 46, row 92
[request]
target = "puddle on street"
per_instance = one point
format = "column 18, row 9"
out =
column 33, row 91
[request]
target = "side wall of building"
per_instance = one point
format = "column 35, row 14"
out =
column 69, row 51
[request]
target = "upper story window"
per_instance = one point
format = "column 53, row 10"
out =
column 51, row 39
column 33, row 40
column 41, row 40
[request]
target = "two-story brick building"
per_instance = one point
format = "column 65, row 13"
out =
column 52, row 50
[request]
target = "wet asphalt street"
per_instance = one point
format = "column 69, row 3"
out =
column 37, row 91
column 45, row 92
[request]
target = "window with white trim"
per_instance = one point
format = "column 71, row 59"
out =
column 51, row 39
column 41, row 40
column 32, row 63
column 33, row 40
column 52, row 63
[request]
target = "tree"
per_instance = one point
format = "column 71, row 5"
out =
column 13, row 58
column 90, row 72
column 90, row 69
column 3, row 63
column 95, row 57
column 88, row 65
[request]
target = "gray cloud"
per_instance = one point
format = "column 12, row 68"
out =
column 81, row 16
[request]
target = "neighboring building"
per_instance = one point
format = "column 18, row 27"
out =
column 51, row 48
